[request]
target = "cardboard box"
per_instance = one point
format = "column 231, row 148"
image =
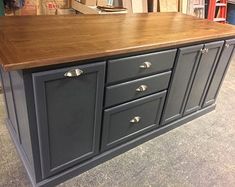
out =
column 29, row 8
column 101, row 3
column 88, row 2
column 49, row 7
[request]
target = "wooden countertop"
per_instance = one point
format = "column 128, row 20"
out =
column 36, row 41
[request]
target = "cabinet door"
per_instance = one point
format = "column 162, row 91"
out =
column 203, row 76
column 68, row 111
column 186, row 63
column 220, row 71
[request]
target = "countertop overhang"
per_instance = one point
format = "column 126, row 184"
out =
column 38, row 41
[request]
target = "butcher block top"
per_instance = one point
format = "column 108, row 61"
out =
column 37, row 41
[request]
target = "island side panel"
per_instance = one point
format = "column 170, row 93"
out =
column 17, row 118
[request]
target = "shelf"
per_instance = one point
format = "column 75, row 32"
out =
column 91, row 9
column 221, row 4
column 219, row 19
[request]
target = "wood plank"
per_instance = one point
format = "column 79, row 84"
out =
column 168, row 5
column 127, row 4
column 83, row 8
column 152, row 5
column 36, row 41
column 139, row 6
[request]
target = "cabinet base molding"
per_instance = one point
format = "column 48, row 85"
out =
column 107, row 155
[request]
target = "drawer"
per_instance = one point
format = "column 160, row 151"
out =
column 141, row 65
column 126, row 121
column 127, row 91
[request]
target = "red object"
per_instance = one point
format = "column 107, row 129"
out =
column 222, row 5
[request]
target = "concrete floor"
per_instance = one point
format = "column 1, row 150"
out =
column 199, row 153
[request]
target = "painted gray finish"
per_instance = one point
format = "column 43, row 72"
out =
column 51, row 124
column 21, row 111
column 13, row 88
column 68, row 115
column 10, row 106
column 203, row 76
column 129, row 67
column 219, row 74
column 126, row 91
column 186, row 63
column 117, row 127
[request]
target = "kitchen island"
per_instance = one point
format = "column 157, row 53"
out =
column 80, row 90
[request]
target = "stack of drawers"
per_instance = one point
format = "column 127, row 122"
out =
column 135, row 94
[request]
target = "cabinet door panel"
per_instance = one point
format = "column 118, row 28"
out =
column 187, row 60
column 220, row 71
column 203, row 76
column 68, row 115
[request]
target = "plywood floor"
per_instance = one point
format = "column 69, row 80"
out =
column 200, row 153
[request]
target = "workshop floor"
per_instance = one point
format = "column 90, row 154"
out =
column 199, row 153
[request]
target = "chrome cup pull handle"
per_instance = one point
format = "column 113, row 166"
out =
column 73, row 73
column 146, row 65
column 135, row 120
column 142, row 88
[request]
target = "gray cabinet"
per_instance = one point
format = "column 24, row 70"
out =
column 190, row 80
column 203, row 76
column 68, row 111
column 219, row 74
column 186, row 63
column 66, row 119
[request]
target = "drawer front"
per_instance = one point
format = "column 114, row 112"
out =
column 134, row 89
column 126, row 121
column 142, row 65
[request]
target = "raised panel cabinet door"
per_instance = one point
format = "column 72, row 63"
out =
column 203, row 76
column 68, row 110
column 185, row 65
column 219, row 74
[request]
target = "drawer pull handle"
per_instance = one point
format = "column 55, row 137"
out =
column 73, row 73
column 142, row 88
column 227, row 45
column 146, row 65
column 135, row 120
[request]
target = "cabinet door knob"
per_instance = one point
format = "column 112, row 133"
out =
column 142, row 88
column 135, row 120
column 227, row 45
column 145, row 65
column 204, row 51
column 73, row 73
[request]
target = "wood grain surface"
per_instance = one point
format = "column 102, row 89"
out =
column 36, row 41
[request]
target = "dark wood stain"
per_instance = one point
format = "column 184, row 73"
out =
column 36, row 41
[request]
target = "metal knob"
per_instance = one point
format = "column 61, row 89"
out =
column 145, row 65
column 135, row 120
column 227, row 45
column 204, row 51
column 142, row 88
column 73, row 73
